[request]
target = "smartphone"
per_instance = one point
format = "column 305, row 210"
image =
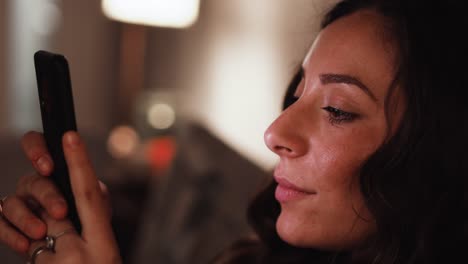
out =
column 58, row 117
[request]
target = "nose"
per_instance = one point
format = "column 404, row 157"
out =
column 284, row 137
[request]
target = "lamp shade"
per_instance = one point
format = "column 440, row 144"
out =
column 160, row 13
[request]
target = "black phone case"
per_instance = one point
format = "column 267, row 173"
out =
column 58, row 117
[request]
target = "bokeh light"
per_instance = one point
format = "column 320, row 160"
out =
column 161, row 116
column 122, row 142
column 163, row 13
column 160, row 152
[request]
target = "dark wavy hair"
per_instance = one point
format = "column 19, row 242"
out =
column 414, row 184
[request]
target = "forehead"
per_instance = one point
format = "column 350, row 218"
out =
column 355, row 45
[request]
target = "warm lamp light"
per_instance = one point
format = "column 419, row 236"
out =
column 161, row 13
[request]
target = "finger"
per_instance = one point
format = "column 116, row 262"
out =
column 106, row 197
column 12, row 238
column 45, row 256
column 64, row 236
column 55, row 226
column 35, row 148
column 89, row 200
column 44, row 191
column 20, row 216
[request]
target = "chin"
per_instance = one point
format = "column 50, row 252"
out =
column 302, row 232
column 292, row 232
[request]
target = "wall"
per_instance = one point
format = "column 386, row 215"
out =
column 231, row 68
column 91, row 43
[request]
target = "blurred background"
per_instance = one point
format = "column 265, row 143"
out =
column 172, row 98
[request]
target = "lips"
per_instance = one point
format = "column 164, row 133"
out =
column 287, row 191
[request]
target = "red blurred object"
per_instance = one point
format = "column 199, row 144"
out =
column 161, row 152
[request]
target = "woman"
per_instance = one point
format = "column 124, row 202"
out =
column 372, row 153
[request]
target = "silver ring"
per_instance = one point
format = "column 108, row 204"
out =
column 36, row 253
column 2, row 201
column 52, row 239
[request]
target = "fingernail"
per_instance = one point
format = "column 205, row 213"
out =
column 72, row 139
column 43, row 163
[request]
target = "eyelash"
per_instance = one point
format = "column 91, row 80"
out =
column 337, row 116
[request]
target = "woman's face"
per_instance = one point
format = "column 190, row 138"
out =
column 323, row 138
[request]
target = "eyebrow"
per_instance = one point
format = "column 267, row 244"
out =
column 342, row 78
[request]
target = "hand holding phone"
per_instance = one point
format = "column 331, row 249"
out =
column 58, row 117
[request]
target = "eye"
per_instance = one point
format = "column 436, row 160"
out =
column 338, row 116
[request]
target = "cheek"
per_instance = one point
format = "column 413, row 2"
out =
column 337, row 216
column 339, row 154
column 338, row 169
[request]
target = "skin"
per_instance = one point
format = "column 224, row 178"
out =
column 320, row 155
column 96, row 244
column 321, row 151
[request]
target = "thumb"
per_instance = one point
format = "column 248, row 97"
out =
column 90, row 201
